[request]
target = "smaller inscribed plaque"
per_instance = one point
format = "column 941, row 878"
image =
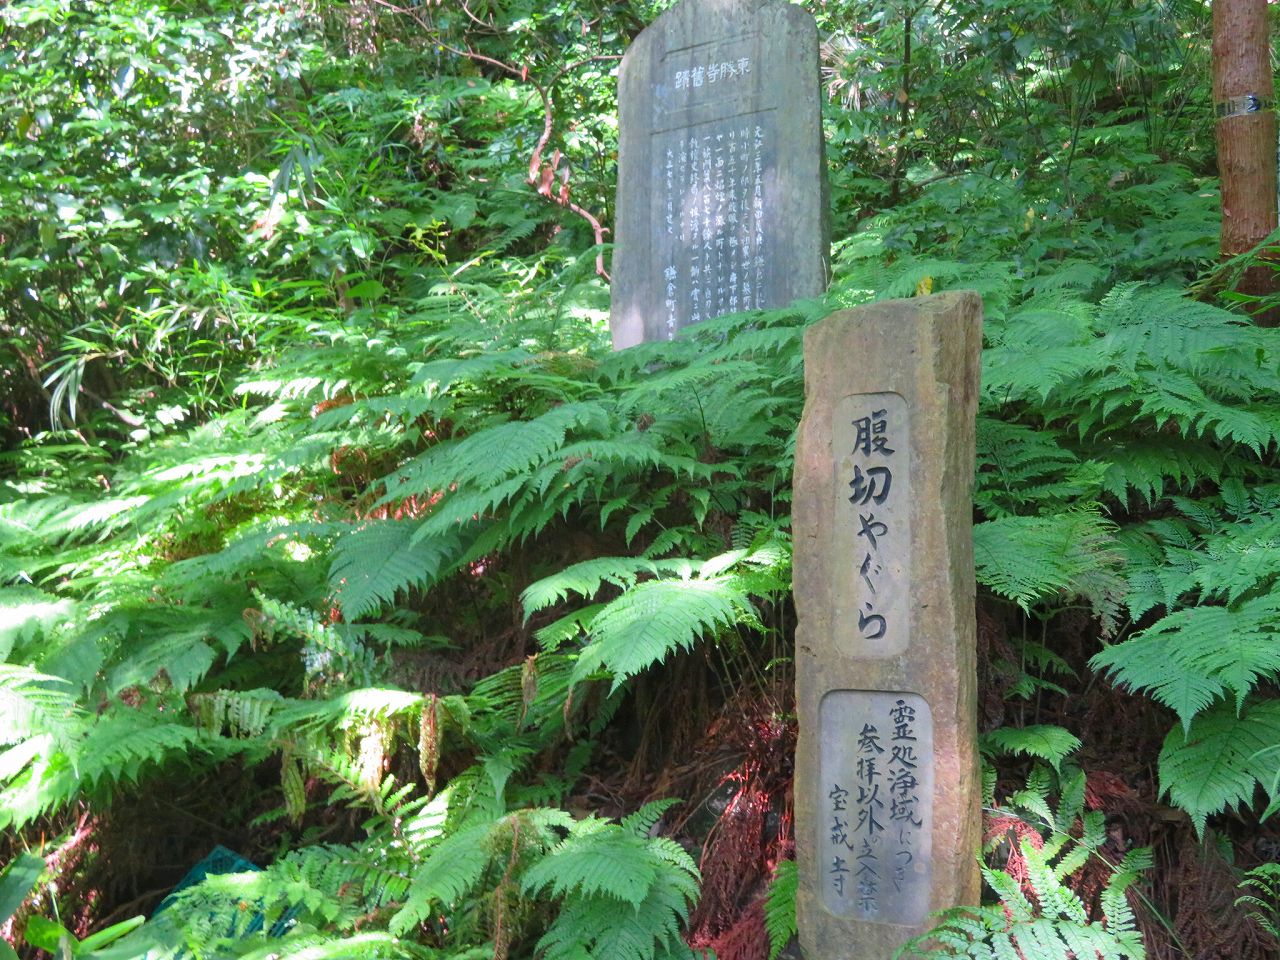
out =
column 876, row 834
column 872, row 522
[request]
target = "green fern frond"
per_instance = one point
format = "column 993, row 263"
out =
column 506, row 695
column 1046, row 742
column 780, row 907
column 1192, row 656
column 376, row 560
column 122, row 743
column 654, row 619
column 763, row 341
column 375, row 874
column 494, row 454
column 572, row 626
column 181, row 659
column 593, row 925
column 1016, row 930
column 1152, row 468
column 33, row 703
column 585, row 579
column 454, row 867
column 1115, row 898
column 438, row 377
column 1019, row 465
column 236, row 713
column 1068, row 274
column 466, row 509
column 1186, row 693
column 364, row 945
column 1220, row 761
column 905, row 278
column 631, row 451
column 1241, row 558
column 1162, row 327
column 1033, row 559
column 1263, row 902
column 351, row 710
column 116, row 749
column 643, row 821
column 1032, row 371
column 328, row 651
column 26, row 612
column 609, row 862
column 513, row 234
column 250, row 548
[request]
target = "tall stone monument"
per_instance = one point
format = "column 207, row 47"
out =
column 722, row 200
column 887, row 781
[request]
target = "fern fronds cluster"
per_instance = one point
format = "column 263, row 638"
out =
column 1039, row 914
column 396, row 533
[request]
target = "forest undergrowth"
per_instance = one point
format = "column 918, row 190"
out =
column 333, row 533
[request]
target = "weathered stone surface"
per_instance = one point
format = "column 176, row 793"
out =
column 721, row 183
column 887, row 781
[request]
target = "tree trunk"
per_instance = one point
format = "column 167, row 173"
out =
column 1246, row 134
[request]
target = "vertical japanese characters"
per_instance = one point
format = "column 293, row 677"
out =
column 877, row 762
column 713, row 203
column 887, row 781
column 871, row 517
column 877, row 830
column 904, row 791
column 722, row 203
column 872, row 485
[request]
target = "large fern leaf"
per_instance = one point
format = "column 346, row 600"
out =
column 592, row 925
column 585, row 579
column 612, row 863
column 1034, row 559
column 376, row 560
column 1221, row 760
column 1192, row 656
column 654, row 619
column 33, row 704
column 454, row 867
column 780, row 906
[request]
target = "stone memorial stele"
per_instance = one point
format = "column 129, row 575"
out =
column 887, row 782
column 722, row 201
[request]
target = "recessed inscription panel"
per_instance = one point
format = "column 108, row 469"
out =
column 872, row 524
column 875, row 831
column 711, row 248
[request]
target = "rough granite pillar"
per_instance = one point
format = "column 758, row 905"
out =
column 887, row 782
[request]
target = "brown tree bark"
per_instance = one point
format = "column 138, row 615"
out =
column 1243, row 96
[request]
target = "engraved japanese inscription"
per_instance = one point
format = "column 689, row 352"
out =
column 713, row 146
column 713, row 213
column 721, row 184
column 871, row 521
column 876, row 840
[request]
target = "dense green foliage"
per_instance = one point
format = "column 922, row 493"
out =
column 1043, row 917
column 322, row 482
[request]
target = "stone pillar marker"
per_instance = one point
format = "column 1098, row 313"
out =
column 722, row 202
column 887, row 787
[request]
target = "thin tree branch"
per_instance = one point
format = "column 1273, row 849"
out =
column 474, row 19
column 541, row 176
